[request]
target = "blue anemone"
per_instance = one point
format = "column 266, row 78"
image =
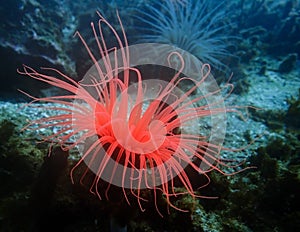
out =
column 198, row 27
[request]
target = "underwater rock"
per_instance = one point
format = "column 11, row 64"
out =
column 43, row 190
column 263, row 69
column 288, row 64
column 40, row 32
column 19, row 161
column 279, row 19
column 293, row 113
column 31, row 31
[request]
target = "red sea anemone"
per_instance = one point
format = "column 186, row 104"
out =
column 131, row 132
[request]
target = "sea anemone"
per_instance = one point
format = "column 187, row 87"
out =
column 199, row 27
column 131, row 132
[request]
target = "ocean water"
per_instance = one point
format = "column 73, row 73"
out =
column 237, row 63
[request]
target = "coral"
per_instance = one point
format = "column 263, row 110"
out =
column 199, row 27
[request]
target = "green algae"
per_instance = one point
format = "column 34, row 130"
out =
column 293, row 112
column 260, row 199
column 20, row 160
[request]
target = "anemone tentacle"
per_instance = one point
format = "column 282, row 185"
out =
column 150, row 144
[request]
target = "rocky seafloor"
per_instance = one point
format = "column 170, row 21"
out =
column 36, row 189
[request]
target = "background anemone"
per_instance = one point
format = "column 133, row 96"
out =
column 198, row 27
